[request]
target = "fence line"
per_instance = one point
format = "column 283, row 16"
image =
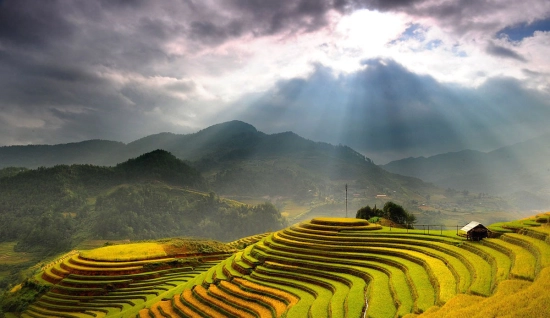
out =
column 426, row 227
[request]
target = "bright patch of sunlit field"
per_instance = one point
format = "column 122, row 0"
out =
column 91, row 244
column 126, row 252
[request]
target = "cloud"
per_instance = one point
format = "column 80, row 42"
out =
column 388, row 112
column 520, row 31
column 121, row 69
column 32, row 25
column 501, row 51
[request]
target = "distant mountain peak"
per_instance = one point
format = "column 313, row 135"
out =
column 154, row 156
column 160, row 164
column 233, row 126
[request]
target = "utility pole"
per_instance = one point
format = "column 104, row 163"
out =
column 346, row 200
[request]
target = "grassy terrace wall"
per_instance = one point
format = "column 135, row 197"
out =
column 330, row 267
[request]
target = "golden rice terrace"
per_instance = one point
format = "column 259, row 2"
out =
column 333, row 267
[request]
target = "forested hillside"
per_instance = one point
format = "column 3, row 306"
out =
column 152, row 196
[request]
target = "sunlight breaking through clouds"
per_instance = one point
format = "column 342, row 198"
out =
column 121, row 70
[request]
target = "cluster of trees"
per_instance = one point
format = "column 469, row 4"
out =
column 390, row 211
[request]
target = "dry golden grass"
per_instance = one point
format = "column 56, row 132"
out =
column 523, row 261
column 513, row 298
column 187, row 312
column 541, row 247
column 188, row 296
column 144, row 313
column 459, row 302
column 291, row 299
column 215, row 302
column 155, row 311
column 167, row 308
column 340, row 222
column 243, row 302
column 277, row 305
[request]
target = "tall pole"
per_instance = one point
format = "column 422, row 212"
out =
column 346, row 200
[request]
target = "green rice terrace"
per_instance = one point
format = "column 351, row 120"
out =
column 325, row 267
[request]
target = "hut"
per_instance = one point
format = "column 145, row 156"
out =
column 474, row 231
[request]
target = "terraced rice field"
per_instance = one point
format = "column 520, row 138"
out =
column 245, row 241
column 325, row 267
column 332, row 267
column 87, row 287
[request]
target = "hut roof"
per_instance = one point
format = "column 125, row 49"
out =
column 471, row 225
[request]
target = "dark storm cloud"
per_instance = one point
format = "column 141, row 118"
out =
column 69, row 70
column 32, row 23
column 387, row 111
column 500, row 51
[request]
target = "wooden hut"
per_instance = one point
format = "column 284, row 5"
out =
column 474, row 231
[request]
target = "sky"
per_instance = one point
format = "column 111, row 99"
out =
column 391, row 79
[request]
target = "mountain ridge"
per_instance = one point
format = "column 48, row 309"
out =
column 508, row 171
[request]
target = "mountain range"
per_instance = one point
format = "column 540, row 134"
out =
column 236, row 160
column 236, row 157
column 519, row 172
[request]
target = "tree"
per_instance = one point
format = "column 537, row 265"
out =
column 364, row 213
column 398, row 214
column 367, row 212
